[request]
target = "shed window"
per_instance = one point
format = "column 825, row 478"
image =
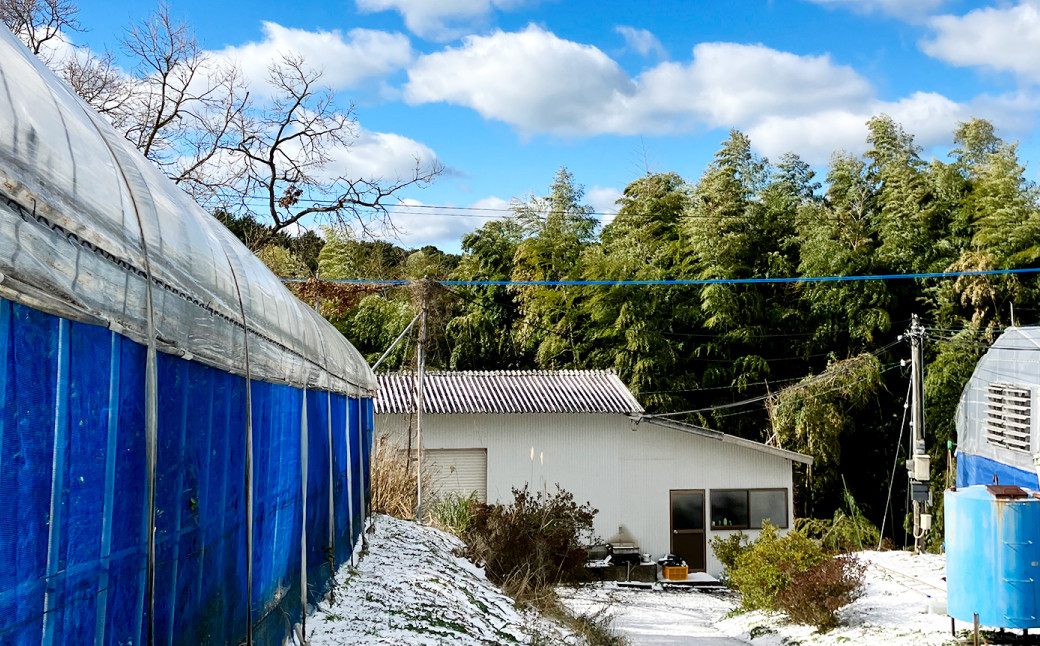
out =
column 1008, row 416
column 747, row 508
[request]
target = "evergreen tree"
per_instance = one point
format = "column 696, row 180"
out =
column 557, row 230
column 643, row 332
column 482, row 333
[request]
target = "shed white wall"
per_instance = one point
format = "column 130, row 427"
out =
column 626, row 471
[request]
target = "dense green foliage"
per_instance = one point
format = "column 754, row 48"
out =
column 810, row 366
column 770, row 563
column 793, row 573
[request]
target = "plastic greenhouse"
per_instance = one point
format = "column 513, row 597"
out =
column 996, row 427
column 184, row 446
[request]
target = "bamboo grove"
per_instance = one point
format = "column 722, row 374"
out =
column 812, row 367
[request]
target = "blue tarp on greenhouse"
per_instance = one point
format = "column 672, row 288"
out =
column 73, row 487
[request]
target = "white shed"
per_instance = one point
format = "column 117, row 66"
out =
column 671, row 486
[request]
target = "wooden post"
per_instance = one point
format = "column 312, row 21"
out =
column 421, row 368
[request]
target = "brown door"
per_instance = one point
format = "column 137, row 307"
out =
column 688, row 527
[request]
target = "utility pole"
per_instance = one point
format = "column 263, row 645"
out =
column 919, row 465
column 420, row 365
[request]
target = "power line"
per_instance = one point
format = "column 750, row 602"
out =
column 823, row 376
column 700, row 281
column 493, row 212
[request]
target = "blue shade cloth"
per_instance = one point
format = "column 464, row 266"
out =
column 320, row 550
column 368, row 426
column 341, row 485
column 357, row 475
column 977, row 470
column 73, row 487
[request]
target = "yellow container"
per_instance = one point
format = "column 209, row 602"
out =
column 674, row 573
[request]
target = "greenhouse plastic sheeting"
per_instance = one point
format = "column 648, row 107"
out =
column 178, row 460
column 91, row 229
column 1012, row 361
column 73, row 538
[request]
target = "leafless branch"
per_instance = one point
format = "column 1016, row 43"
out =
column 37, row 22
column 185, row 107
column 288, row 152
column 97, row 80
column 189, row 112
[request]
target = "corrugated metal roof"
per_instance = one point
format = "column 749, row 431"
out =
column 502, row 392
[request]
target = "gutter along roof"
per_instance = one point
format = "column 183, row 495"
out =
column 723, row 437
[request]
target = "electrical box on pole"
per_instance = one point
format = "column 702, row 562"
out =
column 919, row 465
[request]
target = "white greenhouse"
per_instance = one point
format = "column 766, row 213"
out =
column 996, row 429
column 669, row 487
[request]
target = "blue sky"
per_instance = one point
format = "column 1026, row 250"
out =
column 504, row 92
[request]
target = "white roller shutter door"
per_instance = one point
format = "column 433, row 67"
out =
column 460, row 471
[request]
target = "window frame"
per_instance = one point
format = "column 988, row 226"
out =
column 747, row 497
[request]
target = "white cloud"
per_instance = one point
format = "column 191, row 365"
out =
column 930, row 117
column 604, row 200
column 380, row 156
column 811, row 105
column 540, row 83
column 1005, row 39
column 416, row 228
column 641, row 41
column 729, row 83
column 492, row 204
column 530, row 79
column 908, row 9
column 441, row 20
column 345, row 60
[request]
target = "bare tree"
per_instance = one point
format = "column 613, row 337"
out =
column 189, row 112
column 288, row 153
column 185, row 108
column 37, row 22
column 97, row 80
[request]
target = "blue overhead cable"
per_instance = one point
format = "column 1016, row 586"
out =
column 702, row 281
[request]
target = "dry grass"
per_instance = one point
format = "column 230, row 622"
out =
column 394, row 485
column 595, row 628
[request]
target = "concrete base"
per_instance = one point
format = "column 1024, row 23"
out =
column 645, row 573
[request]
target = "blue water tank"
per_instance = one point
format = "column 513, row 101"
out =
column 993, row 556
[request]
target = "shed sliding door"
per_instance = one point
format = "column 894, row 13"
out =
column 459, row 471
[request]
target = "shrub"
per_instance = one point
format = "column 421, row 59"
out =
column 453, row 513
column 728, row 549
column 769, row 564
column 535, row 542
column 815, row 596
column 848, row 531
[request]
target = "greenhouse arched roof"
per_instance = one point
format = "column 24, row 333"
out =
column 91, row 230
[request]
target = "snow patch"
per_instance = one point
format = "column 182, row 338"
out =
column 410, row 588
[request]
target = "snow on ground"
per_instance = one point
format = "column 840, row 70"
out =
column 409, row 588
column 660, row 616
column 899, row 588
column 894, row 610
